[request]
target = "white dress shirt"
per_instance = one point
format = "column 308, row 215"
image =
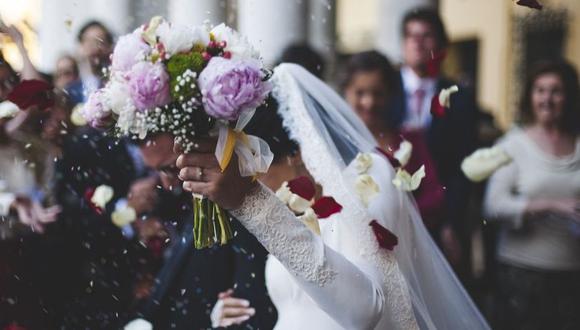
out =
column 418, row 114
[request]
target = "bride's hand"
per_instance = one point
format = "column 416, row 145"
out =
column 230, row 311
column 201, row 174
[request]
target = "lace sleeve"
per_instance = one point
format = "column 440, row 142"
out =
column 325, row 275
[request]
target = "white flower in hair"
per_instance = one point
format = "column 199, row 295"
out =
column 236, row 44
column 481, row 164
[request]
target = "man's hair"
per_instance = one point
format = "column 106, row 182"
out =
column 431, row 17
column 95, row 23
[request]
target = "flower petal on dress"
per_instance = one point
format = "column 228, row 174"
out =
column 385, row 238
column 303, row 187
column 407, row 182
column 325, row 207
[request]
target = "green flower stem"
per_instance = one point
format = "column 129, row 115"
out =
column 210, row 224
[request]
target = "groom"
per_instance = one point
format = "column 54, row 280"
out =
column 187, row 286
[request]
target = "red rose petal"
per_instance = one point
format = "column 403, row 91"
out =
column 387, row 240
column 437, row 109
column 434, row 64
column 534, row 4
column 30, row 93
column 325, row 207
column 303, row 187
column 394, row 161
column 88, row 196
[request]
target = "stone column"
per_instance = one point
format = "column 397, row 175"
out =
column 195, row 12
column 322, row 26
column 391, row 13
column 272, row 25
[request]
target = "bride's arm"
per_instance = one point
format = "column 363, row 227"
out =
column 341, row 289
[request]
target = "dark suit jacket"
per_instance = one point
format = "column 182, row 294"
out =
column 188, row 283
column 449, row 139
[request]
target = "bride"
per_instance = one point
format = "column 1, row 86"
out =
column 342, row 279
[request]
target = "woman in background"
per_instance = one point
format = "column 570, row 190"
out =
column 537, row 199
column 368, row 84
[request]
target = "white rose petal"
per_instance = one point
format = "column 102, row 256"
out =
column 76, row 116
column 149, row 34
column 445, row 95
column 407, row 182
column 366, row 188
column 123, row 216
column 139, row 324
column 483, row 162
column 298, row 204
column 8, row 109
column 310, row 219
column 403, row 154
column 284, row 193
column 103, row 194
column 363, row 162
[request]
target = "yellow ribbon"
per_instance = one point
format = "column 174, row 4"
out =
column 233, row 137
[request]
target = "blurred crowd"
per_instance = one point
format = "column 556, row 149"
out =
column 64, row 263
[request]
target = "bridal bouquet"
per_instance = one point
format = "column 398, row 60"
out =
column 190, row 82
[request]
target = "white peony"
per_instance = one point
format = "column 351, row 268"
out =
column 236, row 43
column 366, row 188
column 310, row 219
column 445, row 95
column 117, row 95
column 407, row 182
column 178, row 38
column 284, row 193
column 8, row 109
column 363, row 162
column 298, row 204
column 139, row 324
column 403, row 154
column 481, row 164
column 129, row 50
column 123, row 216
column 103, row 194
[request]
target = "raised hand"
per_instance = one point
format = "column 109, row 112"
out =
column 201, row 174
column 230, row 311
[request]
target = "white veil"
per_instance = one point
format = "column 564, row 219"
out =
column 330, row 136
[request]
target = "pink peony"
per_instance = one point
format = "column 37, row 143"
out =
column 96, row 112
column 149, row 85
column 129, row 50
column 230, row 87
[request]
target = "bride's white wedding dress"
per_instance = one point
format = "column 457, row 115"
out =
column 342, row 279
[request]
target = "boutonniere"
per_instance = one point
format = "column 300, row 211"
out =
column 481, row 164
column 298, row 194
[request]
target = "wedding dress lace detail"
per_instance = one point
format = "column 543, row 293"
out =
column 323, row 162
column 278, row 229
